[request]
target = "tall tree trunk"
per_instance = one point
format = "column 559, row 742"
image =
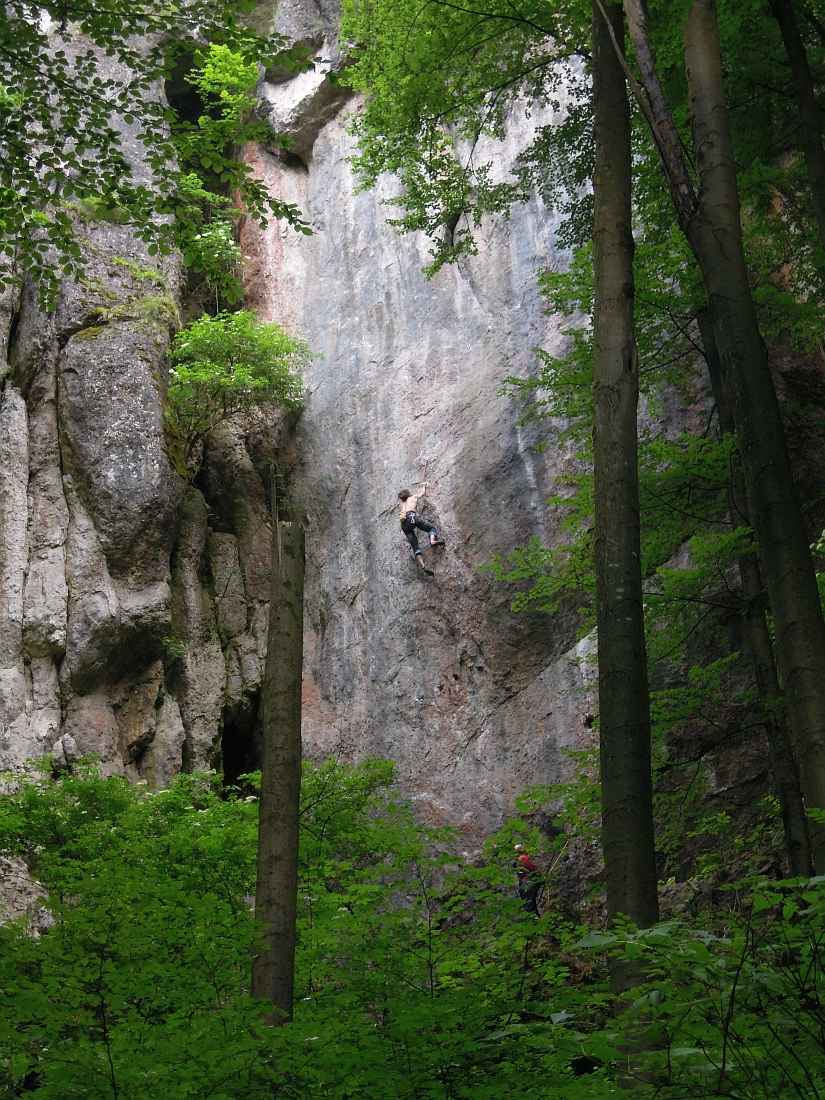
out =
column 803, row 87
column 783, row 761
column 716, row 237
column 624, row 709
column 711, row 223
column 273, row 971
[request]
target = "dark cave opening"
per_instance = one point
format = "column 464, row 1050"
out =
column 241, row 744
column 182, row 97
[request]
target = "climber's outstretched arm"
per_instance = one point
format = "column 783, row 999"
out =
column 412, row 502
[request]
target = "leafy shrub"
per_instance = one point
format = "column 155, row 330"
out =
column 224, row 365
column 419, row 973
column 207, row 150
column 140, row 988
column 204, row 233
column 738, row 1012
column 416, row 974
column 225, row 79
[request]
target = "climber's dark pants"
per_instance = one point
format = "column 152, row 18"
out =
column 528, row 891
column 409, row 525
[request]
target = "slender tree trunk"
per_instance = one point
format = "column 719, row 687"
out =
column 803, row 87
column 624, row 709
column 783, row 761
column 273, row 971
column 711, row 223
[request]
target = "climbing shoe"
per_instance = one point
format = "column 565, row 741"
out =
column 438, row 542
column 429, row 572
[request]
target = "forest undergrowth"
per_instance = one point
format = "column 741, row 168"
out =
column 418, row 972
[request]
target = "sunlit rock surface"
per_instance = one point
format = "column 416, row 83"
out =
column 471, row 701
column 133, row 606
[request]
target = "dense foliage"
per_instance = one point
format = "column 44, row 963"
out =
column 209, row 170
column 418, row 973
column 414, row 971
column 137, row 988
column 732, row 1012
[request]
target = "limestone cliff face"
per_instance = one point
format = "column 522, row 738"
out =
column 114, row 637
column 133, row 606
column 471, row 701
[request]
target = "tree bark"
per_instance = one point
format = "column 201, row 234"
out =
column 624, row 708
column 273, row 971
column 716, row 237
column 783, row 761
column 806, row 104
column 711, row 223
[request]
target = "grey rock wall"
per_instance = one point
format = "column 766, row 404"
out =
column 471, row 701
column 133, row 606
column 21, row 897
column 114, row 638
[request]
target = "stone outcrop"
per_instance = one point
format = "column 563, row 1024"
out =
column 470, row 700
column 298, row 106
column 108, row 638
column 133, row 605
column 95, row 509
column 21, row 897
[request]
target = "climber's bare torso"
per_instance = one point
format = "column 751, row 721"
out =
column 411, row 503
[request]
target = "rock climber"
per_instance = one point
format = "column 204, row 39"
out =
column 410, row 519
column 529, row 881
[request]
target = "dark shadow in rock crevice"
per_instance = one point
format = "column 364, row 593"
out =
column 241, row 743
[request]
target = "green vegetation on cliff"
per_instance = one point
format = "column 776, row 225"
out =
column 226, row 365
column 83, row 119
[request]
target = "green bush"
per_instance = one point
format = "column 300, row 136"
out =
column 419, row 974
column 416, row 975
column 224, row 365
column 140, row 989
column 204, row 224
column 207, row 150
column 736, row 1012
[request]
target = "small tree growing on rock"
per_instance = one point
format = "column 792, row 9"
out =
column 224, row 365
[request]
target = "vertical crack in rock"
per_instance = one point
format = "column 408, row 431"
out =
column 200, row 673
column 16, row 739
